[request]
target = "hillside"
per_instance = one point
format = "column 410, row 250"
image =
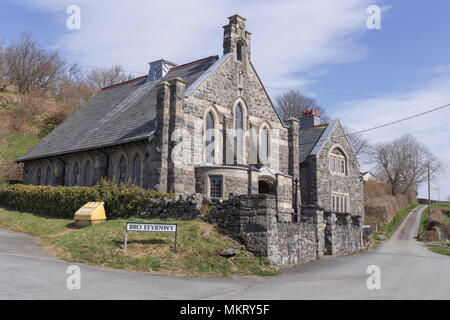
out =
column 25, row 120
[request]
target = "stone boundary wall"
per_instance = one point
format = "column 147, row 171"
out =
column 254, row 221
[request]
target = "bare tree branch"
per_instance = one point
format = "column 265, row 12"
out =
column 29, row 66
column 404, row 163
column 292, row 103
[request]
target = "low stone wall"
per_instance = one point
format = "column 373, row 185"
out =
column 253, row 220
column 182, row 207
column 343, row 234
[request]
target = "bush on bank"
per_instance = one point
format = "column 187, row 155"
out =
column 121, row 201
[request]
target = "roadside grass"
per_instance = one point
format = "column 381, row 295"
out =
column 102, row 245
column 32, row 224
column 441, row 250
column 423, row 226
column 387, row 229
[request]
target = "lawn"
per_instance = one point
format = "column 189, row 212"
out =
column 198, row 246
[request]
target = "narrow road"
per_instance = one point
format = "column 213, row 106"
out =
column 408, row 271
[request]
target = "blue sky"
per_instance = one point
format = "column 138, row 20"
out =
column 362, row 77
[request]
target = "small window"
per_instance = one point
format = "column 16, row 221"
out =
column 48, row 176
column 215, row 186
column 76, row 175
column 137, row 170
column 38, row 180
column 340, row 204
column 122, row 170
column 87, row 174
column 239, row 50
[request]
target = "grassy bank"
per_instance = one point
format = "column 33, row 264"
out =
column 441, row 250
column 198, row 246
column 387, row 229
column 426, row 213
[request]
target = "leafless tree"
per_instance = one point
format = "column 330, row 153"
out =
column 403, row 163
column 4, row 81
column 292, row 103
column 360, row 145
column 31, row 67
column 99, row 78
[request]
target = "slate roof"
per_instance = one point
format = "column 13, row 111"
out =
column 308, row 138
column 118, row 114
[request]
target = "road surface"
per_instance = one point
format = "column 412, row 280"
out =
column 408, row 271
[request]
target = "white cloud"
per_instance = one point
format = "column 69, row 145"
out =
column 442, row 69
column 288, row 36
column 432, row 129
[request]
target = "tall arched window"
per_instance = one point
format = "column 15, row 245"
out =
column 122, row 172
column 87, row 174
column 239, row 139
column 209, row 127
column 76, row 175
column 48, row 176
column 264, row 146
column 137, row 170
column 38, row 177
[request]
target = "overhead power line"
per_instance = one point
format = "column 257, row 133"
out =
column 358, row 95
column 383, row 125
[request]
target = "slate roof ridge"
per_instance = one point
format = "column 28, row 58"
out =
column 122, row 83
column 193, row 62
column 316, row 126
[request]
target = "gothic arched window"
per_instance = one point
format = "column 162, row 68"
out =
column 87, row 174
column 239, row 139
column 137, row 170
column 209, row 128
column 338, row 162
column 122, row 170
column 38, row 177
column 76, row 175
column 264, row 151
column 48, row 176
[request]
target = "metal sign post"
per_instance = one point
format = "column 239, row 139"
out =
column 151, row 227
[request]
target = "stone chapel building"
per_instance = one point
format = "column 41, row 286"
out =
column 214, row 115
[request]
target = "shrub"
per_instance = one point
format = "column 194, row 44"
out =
column 120, row 201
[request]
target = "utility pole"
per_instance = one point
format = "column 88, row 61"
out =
column 429, row 190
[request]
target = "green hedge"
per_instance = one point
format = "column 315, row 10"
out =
column 120, row 201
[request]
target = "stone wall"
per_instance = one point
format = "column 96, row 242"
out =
column 104, row 163
column 254, row 221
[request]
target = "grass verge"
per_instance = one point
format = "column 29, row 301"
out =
column 387, row 229
column 198, row 246
column 423, row 226
column 441, row 250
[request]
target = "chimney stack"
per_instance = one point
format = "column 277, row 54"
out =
column 309, row 118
